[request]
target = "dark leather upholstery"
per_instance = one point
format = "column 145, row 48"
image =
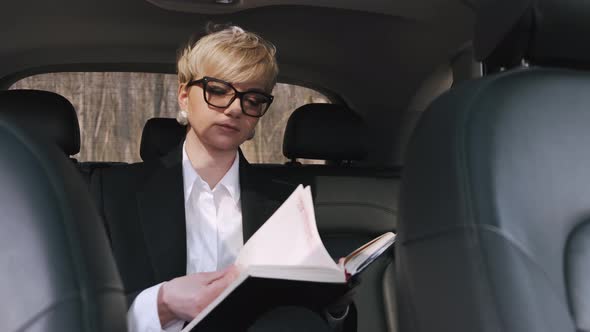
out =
column 547, row 32
column 88, row 168
column 325, row 131
column 58, row 274
column 314, row 131
column 43, row 113
column 160, row 136
column 495, row 202
column 352, row 204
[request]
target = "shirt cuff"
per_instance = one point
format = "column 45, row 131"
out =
column 143, row 313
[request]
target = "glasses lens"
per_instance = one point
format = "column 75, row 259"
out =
column 219, row 94
column 255, row 104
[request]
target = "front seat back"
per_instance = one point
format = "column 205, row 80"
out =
column 58, row 273
column 494, row 231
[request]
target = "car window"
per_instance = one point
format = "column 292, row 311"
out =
column 112, row 108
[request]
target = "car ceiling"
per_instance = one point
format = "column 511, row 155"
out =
column 373, row 53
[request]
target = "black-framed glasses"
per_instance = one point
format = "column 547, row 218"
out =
column 218, row 93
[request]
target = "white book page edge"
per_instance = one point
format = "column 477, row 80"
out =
column 367, row 253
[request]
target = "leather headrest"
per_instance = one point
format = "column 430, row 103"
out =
column 549, row 32
column 325, row 131
column 43, row 113
column 160, row 136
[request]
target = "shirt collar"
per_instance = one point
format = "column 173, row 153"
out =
column 231, row 179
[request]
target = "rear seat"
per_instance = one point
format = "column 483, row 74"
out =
column 352, row 203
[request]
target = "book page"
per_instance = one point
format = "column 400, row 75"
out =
column 289, row 237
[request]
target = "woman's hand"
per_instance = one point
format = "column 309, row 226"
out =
column 185, row 297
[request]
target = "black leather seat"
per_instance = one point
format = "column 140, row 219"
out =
column 352, row 203
column 160, row 136
column 58, row 274
column 307, row 123
column 325, row 131
column 44, row 114
column 49, row 116
column 494, row 232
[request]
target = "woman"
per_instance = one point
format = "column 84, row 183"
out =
column 178, row 223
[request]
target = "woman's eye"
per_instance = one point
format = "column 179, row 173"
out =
column 254, row 101
column 216, row 91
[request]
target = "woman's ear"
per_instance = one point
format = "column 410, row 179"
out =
column 182, row 116
column 183, row 97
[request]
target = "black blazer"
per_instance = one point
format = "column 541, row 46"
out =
column 143, row 209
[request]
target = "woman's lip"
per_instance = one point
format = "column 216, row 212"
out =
column 227, row 126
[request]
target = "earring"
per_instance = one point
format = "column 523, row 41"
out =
column 182, row 117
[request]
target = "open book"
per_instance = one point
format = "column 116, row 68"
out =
column 285, row 262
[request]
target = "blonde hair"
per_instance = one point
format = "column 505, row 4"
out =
column 232, row 55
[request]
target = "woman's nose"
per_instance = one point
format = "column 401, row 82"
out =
column 234, row 109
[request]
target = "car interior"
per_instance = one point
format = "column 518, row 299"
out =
column 457, row 124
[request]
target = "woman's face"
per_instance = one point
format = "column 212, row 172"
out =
column 221, row 129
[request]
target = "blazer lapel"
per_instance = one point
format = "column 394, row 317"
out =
column 254, row 204
column 161, row 210
column 261, row 196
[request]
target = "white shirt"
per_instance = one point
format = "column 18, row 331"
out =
column 213, row 237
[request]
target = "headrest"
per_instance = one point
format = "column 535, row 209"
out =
column 547, row 32
column 160, row 136
column 45, row 113
column 325, row 131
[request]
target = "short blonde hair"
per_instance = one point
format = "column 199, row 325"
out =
column 232, row 55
